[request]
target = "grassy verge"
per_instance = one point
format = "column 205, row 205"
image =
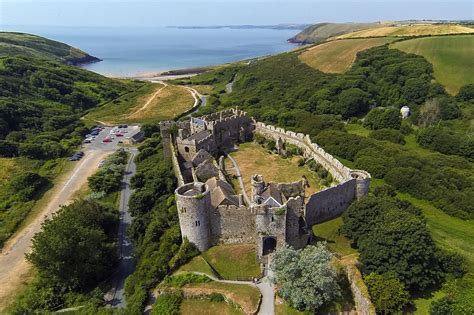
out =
column 329, row 232
column 230, row 262
column 246, row 296
column 207, row 307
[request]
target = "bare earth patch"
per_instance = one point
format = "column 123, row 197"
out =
column 338, row 56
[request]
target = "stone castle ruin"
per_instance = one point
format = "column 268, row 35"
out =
column 211, row 212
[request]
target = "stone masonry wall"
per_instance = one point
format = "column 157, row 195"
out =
column 330, row 202
column 334, row 166
column 359, row 291
column 232, row 224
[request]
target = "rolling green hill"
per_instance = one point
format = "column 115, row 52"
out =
column 451, row 56
column 27, row 45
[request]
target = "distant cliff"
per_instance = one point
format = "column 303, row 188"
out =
column 21, row 44
column 320, row 32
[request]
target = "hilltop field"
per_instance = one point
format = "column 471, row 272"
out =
column 410, row 30
column 451, row 56
column 339, row 55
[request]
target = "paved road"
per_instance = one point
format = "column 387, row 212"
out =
column 14, row 269
column 115, row 296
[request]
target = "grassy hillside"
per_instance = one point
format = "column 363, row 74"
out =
column 320, row 32
column 410, row 30
column 451, row 56
column 151, row 103
column 41, row 103
column 27, row 45
column 339, row 55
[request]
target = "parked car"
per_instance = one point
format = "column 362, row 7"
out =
column 120, row 141
column 107, row 140
column 119, row 135
column 88, row 140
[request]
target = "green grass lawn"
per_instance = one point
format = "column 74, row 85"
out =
column 328, row 231
column 451, row 56
column 207, row 307
column 246, row 296
column 253, row 159
column 357, row 129
column 198, row 264
column 234, row 262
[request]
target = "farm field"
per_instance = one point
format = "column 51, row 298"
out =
column 451, row 57
column 410, row 30
column 253, row 159
column 338, row 56
column 150, row 103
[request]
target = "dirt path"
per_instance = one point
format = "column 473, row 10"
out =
column 14, row 268
column 148, row 102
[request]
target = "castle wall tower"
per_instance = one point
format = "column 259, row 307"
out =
column 258, row 186
column 362, row 183
column 193, row 201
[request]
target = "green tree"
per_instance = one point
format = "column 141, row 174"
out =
column 401, row 243
column 75, row 248
column 352, row 102
column 379, row 118
column 386, row 292
column 305, row 277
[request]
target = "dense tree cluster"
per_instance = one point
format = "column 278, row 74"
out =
column 41, row 103
column 394, row 243
column 305, row 277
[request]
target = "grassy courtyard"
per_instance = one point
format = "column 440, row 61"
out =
column 253, row 159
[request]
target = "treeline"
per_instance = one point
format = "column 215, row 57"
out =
column 155, row 229
column 397, row 254
column 41, row 103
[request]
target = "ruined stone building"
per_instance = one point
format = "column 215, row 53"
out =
column 211, row 212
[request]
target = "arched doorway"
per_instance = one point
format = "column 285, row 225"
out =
column 269, row 245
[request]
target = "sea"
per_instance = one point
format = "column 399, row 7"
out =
column 134, row 51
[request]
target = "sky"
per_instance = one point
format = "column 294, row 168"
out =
column 149, row 13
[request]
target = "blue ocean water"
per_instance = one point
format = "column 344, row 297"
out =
column 132, row 51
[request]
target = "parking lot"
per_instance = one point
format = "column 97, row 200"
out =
column 106, row 139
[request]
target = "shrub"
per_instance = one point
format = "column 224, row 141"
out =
column 391, row 135
column 387, row 293
column 168, row 303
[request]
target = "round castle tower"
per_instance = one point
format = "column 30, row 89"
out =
column 362, row 183
column 193, row 201
column 258, row 186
